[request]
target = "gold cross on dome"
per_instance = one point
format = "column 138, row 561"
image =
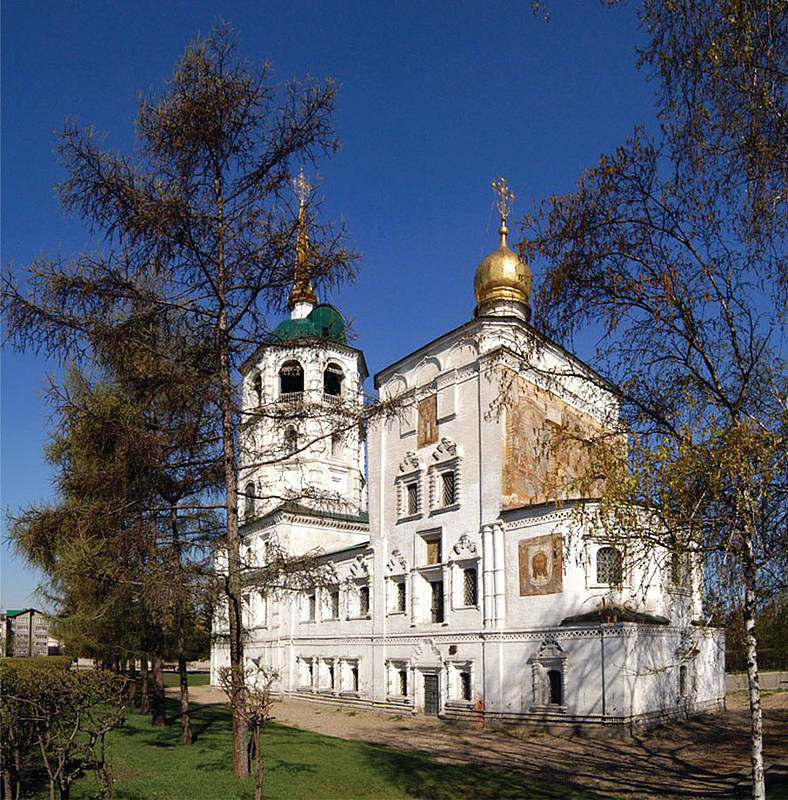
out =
column 301, row 186
column 506, row 197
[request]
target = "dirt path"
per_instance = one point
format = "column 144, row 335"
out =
column 706, row 757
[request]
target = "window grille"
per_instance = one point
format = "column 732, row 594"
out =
column 412, row 498
column 400, row 596
column 608, row 566
column 448, row 489
column 469, row 595
column 436, row 605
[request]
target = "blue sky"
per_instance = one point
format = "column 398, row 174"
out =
column 436, row 99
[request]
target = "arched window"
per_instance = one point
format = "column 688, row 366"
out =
column 332, row 381
column 257, row 387
column 337, row 448
column 291, row 439
column 291, row 381
column 608, row 566
column 556, row 688
column 249, row 500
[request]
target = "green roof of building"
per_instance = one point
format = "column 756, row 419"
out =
column 323, row 322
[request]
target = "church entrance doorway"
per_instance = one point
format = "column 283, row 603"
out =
column 431, row 704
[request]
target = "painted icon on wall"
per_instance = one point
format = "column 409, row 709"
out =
column 541, row 570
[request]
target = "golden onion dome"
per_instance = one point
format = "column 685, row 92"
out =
column 502, row 278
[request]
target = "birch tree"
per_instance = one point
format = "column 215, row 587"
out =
column 671, row 252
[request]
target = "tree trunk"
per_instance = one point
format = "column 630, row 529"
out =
column 258, row 763
column 132, row 682
column 186, row 725
column 144, row 699
column 157, row 674
column 753, row 678
column 232, row 537
column 7, row 785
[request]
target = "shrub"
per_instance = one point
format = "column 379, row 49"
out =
column 57, row 718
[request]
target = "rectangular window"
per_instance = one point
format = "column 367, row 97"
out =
column 402, row 676
column 354, row 677
column 399, row 599
column 334, row 603
column 469, row 595
column 465, row 686
column 448, row 489
column 434, row 555
column 331, row 675
column 436, row 601
column 310, row 609
column 363, row 601
column 412, row 498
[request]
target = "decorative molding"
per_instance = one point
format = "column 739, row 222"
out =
column 464, row 547
column 397, row 564
column 411, row 463
column 426, row 652
column 359, row 567
column 445, row 450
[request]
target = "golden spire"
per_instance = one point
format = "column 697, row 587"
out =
column 506, row 198
column 302, row 291
column 502, row 282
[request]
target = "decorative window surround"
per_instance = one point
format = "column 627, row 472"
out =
column 459, row 680
column 548, row 676
column 445, row 460
column 464, row 558
column 399, row 682
column 408, row 488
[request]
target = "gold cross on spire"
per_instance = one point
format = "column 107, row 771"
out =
column 301, row 186
column 506, row 197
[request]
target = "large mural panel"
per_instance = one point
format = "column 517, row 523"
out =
column 548, row 447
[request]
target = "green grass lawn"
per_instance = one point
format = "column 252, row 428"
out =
column 195, row 679
column 151, row 764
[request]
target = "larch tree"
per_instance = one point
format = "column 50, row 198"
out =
column 671, row 251
column 202, row 209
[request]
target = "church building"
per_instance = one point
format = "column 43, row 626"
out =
column 463, row 574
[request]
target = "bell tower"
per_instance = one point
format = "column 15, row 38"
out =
column 302, row 402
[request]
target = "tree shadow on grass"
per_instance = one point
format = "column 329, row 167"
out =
column 419, row 775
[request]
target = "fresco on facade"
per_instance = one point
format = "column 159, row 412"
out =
column 428, row 421
column 546, row 447
column 541, row 570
